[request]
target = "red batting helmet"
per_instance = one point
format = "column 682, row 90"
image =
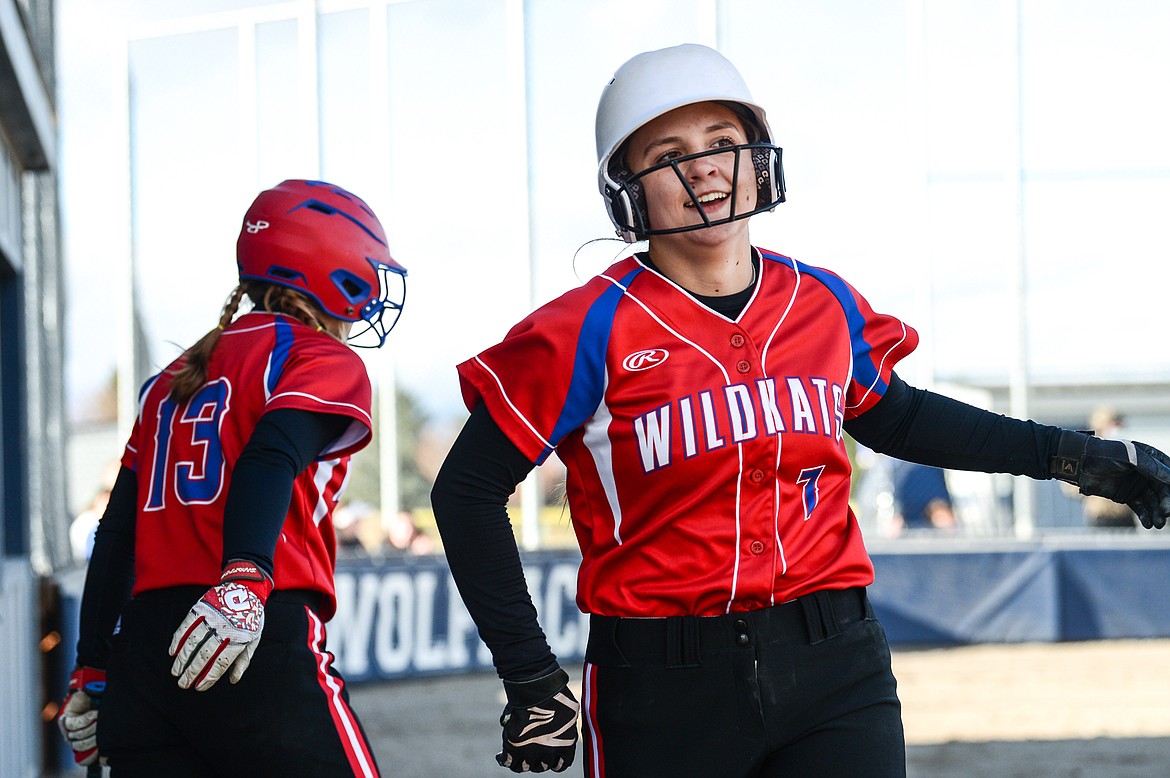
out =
column 326, row 243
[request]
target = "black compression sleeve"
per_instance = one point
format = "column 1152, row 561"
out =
column 916, row 425
column 283, row 444
column 470, row 499
column 110, row 574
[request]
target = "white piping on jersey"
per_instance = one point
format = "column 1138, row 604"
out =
column 691, row 297
column 321, row 477
column 145, row 390
column 264, row 326
column 341, row 487
column 878, row 375
column 508, row 400
column 341, row 711
column 266, row 383
column 322, row 401
column 780, row 438
column 668, row 328
column 738, row 446
column 597, row 442
column 848, row 382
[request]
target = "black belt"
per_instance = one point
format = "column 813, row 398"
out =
column 676, row 641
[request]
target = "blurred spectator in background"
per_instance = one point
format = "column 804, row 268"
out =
column 894, row 497
column 1107, row 423
column 362, row 531
column 921, row 497
column 349, row 519
column 84, row 525
column 404, row 536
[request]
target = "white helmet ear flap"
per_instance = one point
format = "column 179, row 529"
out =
column 769, row 165
column 779, row 185
column 620, row 202
column 624, row 211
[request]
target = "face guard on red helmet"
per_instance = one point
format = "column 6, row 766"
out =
column 654, row 83
column 327, row 244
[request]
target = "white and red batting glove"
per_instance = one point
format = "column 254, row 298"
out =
column 540, row 724
column 222, row 630
column 78, row 717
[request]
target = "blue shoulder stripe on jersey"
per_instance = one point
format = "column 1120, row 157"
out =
column 142, row 390
column 587, row 385
column 865, row 372
column 280, row 350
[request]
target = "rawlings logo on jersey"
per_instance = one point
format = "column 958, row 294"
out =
column 644, row 360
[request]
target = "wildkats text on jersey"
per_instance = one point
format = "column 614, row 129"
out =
column 712, row 419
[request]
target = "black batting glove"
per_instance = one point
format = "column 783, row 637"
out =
column 1124, row 471
column 540, row 724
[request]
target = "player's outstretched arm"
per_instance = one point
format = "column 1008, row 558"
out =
column 540, row 724
column 1124, row 471
column 920, row 426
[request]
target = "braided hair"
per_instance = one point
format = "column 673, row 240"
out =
column 274, row 298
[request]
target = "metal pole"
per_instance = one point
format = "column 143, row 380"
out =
column 518, row 77
column 1018, row 387
column 389, row 491
column 127, row 303
column 916, row 247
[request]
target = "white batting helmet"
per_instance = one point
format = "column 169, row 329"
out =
column 653, row 83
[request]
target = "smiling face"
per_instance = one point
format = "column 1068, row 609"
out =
column 691, row 129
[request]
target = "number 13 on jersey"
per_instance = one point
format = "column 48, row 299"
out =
column 188, row 456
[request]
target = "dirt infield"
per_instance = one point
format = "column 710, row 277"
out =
column 1112, row 689
column 1083, row 710
column 1099, row 708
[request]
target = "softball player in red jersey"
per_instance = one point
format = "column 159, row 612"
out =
column 216, row 555
column 698, row 393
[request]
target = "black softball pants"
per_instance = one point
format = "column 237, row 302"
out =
column 799, row 689
column 289, row 715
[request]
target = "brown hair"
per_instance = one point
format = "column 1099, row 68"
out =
column 273, row 298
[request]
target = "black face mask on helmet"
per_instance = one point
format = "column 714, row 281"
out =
column 632, row 217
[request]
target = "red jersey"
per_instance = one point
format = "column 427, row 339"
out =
column 184, row 455
column 707, row 471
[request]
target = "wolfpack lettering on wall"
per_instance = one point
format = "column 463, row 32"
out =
column 403, row 617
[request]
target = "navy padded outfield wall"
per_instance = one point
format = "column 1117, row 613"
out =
column 1077, row 588
column 402, row 617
